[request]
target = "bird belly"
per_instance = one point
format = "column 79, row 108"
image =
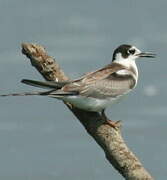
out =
column 89, row 103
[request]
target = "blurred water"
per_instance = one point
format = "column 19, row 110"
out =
column 39, row 137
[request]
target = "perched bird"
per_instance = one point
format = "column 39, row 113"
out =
column 97, row 90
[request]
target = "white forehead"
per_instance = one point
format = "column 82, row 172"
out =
column 137, row 50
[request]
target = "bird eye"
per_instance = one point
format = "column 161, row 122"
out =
column 131, row 51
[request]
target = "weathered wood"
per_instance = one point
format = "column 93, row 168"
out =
column 109, row 139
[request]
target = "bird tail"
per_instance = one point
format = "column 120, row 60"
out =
column 23, row 94
column 55, row 89
column 52, row 93
column 45, row 84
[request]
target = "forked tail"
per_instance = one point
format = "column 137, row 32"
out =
column 54, row 86
column 26, row 94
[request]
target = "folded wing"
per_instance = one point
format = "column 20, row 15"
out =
column 103, row 83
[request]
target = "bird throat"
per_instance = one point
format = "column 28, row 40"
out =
column 130, row 68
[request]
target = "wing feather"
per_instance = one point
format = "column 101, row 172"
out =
column 45, row 84
column 103, row 83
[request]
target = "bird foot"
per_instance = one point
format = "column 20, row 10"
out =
column 113, row 124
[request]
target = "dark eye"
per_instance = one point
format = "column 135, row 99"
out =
column 131, row 51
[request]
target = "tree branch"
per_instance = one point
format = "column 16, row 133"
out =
column 109, row 139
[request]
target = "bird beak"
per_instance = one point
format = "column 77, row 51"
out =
column 146, row 54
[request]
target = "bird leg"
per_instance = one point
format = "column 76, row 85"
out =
column 113, row 124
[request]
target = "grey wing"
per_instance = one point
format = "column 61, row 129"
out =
column 112, row 86
column 103, row 83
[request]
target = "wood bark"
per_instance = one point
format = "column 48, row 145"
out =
column 108, row 138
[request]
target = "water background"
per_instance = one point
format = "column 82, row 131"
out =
column 39, row 138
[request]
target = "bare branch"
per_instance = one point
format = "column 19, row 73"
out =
column 110, row 139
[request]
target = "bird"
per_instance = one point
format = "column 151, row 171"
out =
column 96, row 90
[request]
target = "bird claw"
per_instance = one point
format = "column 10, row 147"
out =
column 113, row 124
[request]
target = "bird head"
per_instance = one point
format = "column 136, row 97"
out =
column 129, row 53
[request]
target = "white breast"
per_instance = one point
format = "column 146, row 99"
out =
column 91, row 104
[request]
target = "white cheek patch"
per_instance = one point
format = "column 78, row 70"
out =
column 118, row 57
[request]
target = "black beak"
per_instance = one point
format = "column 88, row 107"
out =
column 146, row 54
